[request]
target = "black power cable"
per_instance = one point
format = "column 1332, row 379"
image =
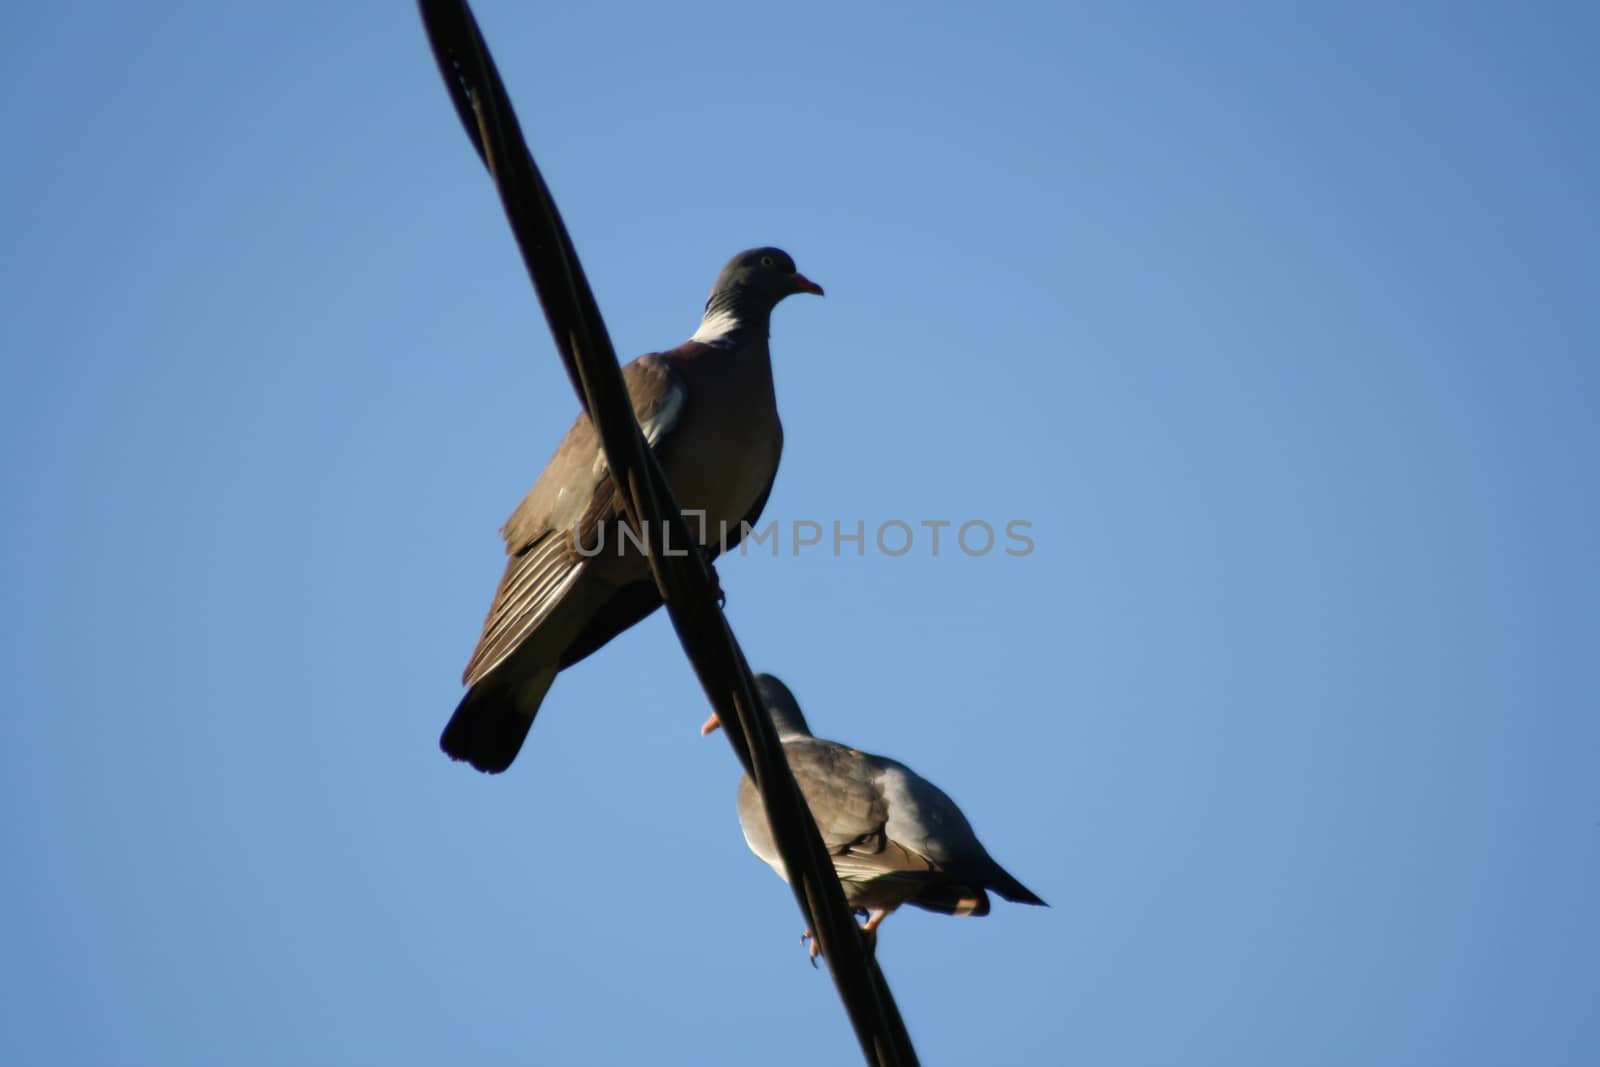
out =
column 684, row 580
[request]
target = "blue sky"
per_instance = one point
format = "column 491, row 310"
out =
column 1278, row 325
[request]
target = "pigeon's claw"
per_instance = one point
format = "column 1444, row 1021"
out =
column 816, row 946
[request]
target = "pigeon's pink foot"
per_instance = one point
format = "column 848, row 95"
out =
column 869, row 929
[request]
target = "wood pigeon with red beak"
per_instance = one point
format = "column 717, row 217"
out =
column 573, row 580
column 894, row 836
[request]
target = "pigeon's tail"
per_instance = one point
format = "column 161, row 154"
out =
column 952, row 898
column 492, row 721
column 1011, row 889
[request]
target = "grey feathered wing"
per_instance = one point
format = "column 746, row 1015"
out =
column 575, row 498
column 549, row 610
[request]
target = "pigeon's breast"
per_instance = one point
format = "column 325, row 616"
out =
column 719, row 471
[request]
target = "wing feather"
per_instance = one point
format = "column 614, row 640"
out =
column 533, row 584
column 574, row 497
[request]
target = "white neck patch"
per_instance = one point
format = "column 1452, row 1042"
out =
column 716, row 326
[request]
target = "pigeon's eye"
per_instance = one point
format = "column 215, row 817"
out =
column 768, row 261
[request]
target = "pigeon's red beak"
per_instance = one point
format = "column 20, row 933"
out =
column 802, row 284
column 710, row 725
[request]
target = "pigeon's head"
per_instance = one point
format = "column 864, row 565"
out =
column 780, row 704
column 783, row 707
column 762, row 276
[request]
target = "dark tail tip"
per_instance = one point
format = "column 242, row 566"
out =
column 487, row 729
column 1015, row 891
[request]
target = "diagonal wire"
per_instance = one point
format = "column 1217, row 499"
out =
column 685, row 580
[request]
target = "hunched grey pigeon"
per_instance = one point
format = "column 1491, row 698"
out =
column 573, row 581
column 895, row 837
